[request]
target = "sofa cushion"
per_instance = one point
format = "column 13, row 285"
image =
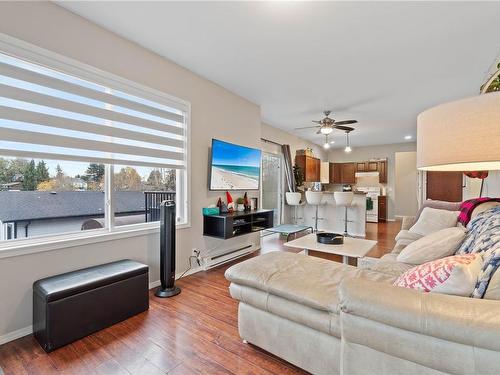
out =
column 455, row 275
column 320, row 320
column 440, row 205
column 431, row 220
column 434, row 246
column 388, row 264
column 300, row 278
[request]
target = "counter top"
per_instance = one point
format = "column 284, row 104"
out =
column 355, row 192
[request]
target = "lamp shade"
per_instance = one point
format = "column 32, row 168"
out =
column 460, row 136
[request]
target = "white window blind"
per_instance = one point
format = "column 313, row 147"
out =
column 47, row 114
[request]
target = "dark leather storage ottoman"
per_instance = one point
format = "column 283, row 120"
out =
column 70, row 306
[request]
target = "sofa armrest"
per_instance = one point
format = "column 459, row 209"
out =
column 407, row 222
column 468, row 321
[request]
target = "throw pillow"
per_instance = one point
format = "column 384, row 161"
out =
column 455, row 275
column 441, row 205
column 483, row 233
column 432, row 219
column 491, row 262
column 434, row 246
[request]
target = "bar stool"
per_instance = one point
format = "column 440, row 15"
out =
column 293, row 199
column 314, row 199
column 344, row 199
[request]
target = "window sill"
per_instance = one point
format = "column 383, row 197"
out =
column 38, row 245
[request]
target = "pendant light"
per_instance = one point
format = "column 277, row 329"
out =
column 326, row 146
column 348, row 144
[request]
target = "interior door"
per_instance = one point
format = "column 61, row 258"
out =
column 444, row 186
column 271, row 184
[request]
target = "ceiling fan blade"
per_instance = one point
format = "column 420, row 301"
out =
column 346, row 122
column 345, row 128
column 307, row 127
column 316, row 121
column 319, row 131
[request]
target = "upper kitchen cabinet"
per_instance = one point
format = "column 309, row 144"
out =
column 310, row 166
column 379, row 166
column 382, row 171
column 342, row 173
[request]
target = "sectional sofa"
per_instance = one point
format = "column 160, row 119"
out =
column 331, row 318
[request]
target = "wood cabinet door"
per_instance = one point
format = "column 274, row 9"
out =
column 444, row 186
column 348, row 173
column 361, row 166
column 382, row 172
column 335, row 173
column 382, row 208
column 372, row 166
column 317, row 167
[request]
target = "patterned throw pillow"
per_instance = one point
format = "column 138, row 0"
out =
column 491, row 263
column 483, row 232
column 455, row 275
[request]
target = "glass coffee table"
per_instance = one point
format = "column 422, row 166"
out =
column 351, row 248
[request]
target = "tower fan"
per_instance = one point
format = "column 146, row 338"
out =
column 167, row 251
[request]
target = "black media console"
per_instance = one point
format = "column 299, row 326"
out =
column 237, row 223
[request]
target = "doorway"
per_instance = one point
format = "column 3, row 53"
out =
column 271, row 184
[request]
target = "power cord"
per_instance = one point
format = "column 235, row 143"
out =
column 191, row 263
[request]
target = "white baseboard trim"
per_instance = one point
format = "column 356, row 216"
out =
column 14, row 335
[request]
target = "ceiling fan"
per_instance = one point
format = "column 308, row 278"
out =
column 327, row 124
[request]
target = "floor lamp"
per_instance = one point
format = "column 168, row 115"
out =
column 463, row 135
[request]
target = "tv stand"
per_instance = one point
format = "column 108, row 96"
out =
column 225, row 226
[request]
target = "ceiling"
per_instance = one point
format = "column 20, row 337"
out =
column 380, row 63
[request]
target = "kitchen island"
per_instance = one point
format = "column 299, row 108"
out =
column 332, row 216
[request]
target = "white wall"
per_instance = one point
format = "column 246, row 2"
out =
column 382, row 151
column 216, row 113
column 405, row 187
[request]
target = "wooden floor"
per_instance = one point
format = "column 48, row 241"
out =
column 193, row 333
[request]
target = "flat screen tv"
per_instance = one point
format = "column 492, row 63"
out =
column 234, row 167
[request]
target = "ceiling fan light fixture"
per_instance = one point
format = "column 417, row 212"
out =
column 326, row 145
column 348, row 144
column 326, row 130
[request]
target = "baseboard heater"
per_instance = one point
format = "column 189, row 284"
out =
column 217, row 260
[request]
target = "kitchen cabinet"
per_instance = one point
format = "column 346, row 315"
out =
column 348, row 171
column 335, row 176
column 382, row 208
column 342, row 173
column 310, row 167
column 382, row 171
column 372, row 166
column 361, row 166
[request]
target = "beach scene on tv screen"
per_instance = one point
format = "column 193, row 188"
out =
column 234, row 167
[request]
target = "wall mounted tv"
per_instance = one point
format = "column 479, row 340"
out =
column 234, row 167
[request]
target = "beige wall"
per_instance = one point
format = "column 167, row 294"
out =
column 214, row 111
column 382, row 151
column 405, row 186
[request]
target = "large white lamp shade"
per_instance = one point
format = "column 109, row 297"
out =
column 460, row 136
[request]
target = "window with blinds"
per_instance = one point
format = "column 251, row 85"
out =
column 46, row 114
column 83, row 150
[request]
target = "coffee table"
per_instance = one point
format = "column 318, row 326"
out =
column 351, row 248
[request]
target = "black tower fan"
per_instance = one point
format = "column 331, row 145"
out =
column 167, row 251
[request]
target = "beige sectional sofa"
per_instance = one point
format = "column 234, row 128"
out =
column 331, row 318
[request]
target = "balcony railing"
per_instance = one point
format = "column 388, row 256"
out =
column 152, row 201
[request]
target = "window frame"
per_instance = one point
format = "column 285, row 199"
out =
column 52, row 60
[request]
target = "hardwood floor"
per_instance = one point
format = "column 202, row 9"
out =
column 194, row 333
